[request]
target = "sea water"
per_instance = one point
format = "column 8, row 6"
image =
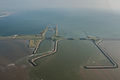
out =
column 71, row 23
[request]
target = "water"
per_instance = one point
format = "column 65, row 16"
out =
column 71, row 23
column 11, row 51
column 67, row 63
column 45, row 46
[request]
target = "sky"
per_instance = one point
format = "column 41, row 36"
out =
column 60, row 4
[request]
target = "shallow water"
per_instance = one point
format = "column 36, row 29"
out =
column 70, row 23
column 45, row 45
column 11, row 59
column 12, row 50
column 67, row 63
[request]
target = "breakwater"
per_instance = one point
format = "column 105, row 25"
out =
column 54, row 50
column 45, row 54
column 114, row 64
column 36, row 48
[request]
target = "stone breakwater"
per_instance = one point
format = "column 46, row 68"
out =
column 54, row 50
column 114, row 64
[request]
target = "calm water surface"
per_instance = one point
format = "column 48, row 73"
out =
column 67, row 63
column 12, row 66
column 71, row 23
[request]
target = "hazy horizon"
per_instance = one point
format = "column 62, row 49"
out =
column 13, row 5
